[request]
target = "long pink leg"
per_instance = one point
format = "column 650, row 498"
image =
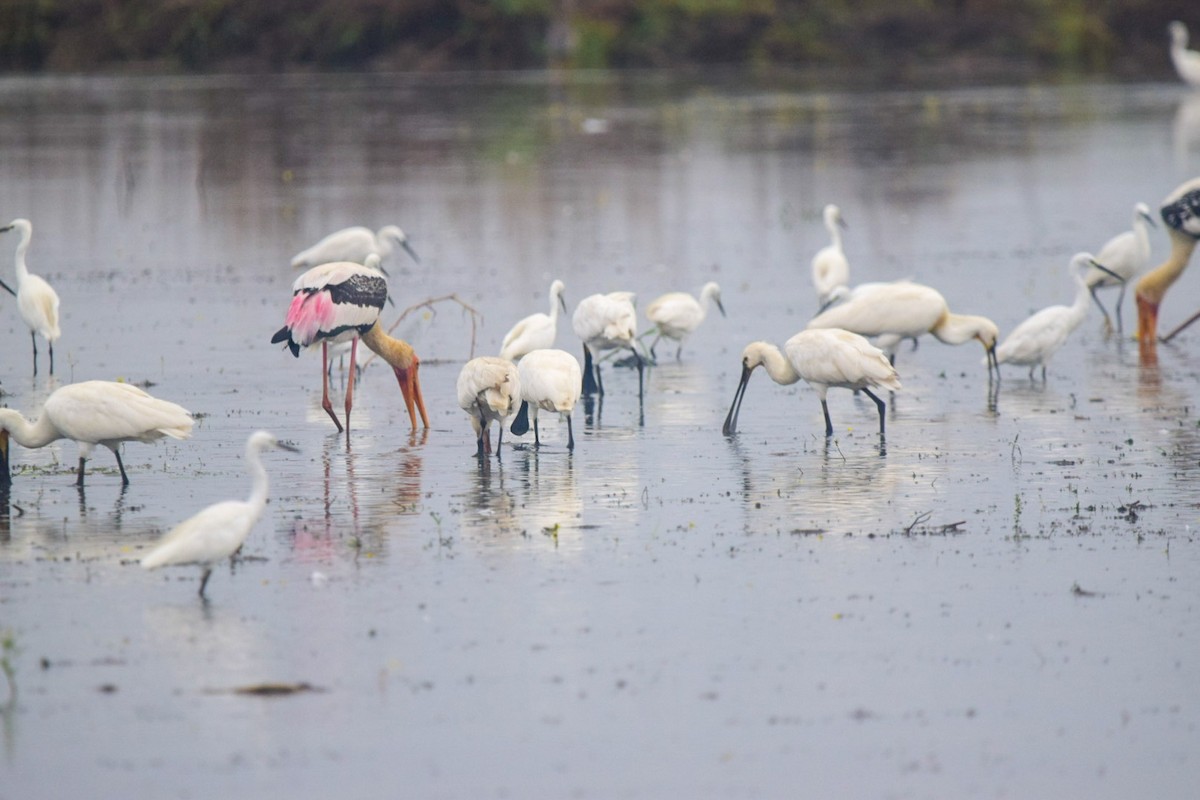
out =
column 325, row 404
column 350, row 380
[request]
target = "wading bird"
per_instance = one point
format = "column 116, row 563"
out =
column 676, row 314
column 906, row 310
column 1187, row 62
column 535, row 332
column 1181, row 213
column 36, row 300
column 1039, row 337
column 606, row 322
column 354, row 244
column 341, row 302
column 92, row 413
column 551, row 380
column 217, row 532
column 1122, row 257
column 823, row 357
column 830, row 269
column 489, row 389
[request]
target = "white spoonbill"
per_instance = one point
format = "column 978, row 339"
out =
column 217, row 532
column 1039, row 337
column 551, row 380
column 676, row 314
column 830, row 269
column 92, row 413
column 1187, row 62
column 354, row 244
column 824, row 358
column 489, row 389
column 341, row 302
column 1122, row 256
column 535, row 332
column 906, row 310
column 1181, row 213
column 606, row 322
column 36, row 300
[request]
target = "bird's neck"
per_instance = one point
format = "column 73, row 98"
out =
column 22, row 248
column 1154, row 284
column 25, row 433
column 1083, row 299
column 554, row 304
column 955, row 328
column 258, row 475
column 777, row 365
column 835, row 234
column 399, row 354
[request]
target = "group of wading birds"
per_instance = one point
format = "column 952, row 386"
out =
column 337, row 301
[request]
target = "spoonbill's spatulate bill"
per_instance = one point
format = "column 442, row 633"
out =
column 830, row 269
column 551, row 380
column 537, row 331
column 341, row 302
column 1180, row 212
column 36, row 300
column 677, row 314
column 218, row 531
column 92, row 413
column 1122, row 257
column 1187, row 62
column 606, row 322
column 823, row 357
column 489, row 389
column 354, row 244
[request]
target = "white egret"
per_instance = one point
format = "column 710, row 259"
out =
column 830, row 269
column 1122, row 256
column 823, row 357
column 341, row 302
column 1181, row 213
column 92, row 413
column 488, row 389
column 217, row 532
column 354, row 244
column 606, row 322
column 551, row 380
column 676, row 314
column 537, row 331
column 1187, row 62
column 36, row 300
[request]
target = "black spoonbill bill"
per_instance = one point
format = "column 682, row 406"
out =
column 341, row 302
column 1122, row 257
column 606, row 322
column 354, row 244
column 830, row 269
column 823, row 357
column 36, row 300
column 676, row 314
column 537, row 331
column 1181, row 213
column 489, row 389
column 92, row 413
column 551, row 380
column 217, row 532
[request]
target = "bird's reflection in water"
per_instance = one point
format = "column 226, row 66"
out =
column 207, row 646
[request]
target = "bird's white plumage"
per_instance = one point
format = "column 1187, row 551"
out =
column 606, row 321
column 1125, row 254
column 677, row 314
column 550, row 380
column 37, row 302
column 1039, row 337
column 1187, row 62
column 830, row 269
column 535, row 332
column 488, row 390
column 352, row 244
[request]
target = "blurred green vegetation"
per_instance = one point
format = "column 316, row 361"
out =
column 1118, row 37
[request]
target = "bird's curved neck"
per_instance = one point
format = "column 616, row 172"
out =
column 554, row 304
column 777, row 366
column 1154, row 284
column 835, row 233
column 25, row 433
column 22, row 248
column 399, row 354
column 955, row 329
column 1083, row 298
column 258, row 475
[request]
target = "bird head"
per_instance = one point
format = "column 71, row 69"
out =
column 752, row 357
column 1142, row 210
column 399, row 237
column 556, row 290
column 1179, row 33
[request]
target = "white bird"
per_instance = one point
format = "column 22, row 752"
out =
column 906, row 310
column 1123, row 256
column 606, row 322
column 535, row 332
column 92, row 413
column 676, row 314
column 217, row 532
column 354, row 244
column 36, row 300
column 830, row 269
column 551, row 380
column 489, row 389
column 1039, row 337
column 340, row 302
column 825, row 358
column 1187, row 62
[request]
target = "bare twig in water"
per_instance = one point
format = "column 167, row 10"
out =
column 952, row 527
column 1016, row 449
column 922, row 517
column 476, row 317
column 1179, row 328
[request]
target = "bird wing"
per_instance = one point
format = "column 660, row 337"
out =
column 104, row 411
column 348, row 244
column 532, row 333
column 908, row 309
column 210, row 535
column 1120, row 255
column 675, row 313
column 1037, row 337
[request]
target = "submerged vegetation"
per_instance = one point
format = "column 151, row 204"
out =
column 1123, row 37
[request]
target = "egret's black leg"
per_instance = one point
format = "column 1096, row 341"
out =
column 1103, row 310
column 79, row 478
column 828, row 421
column 51, row 358
column 204, row 579
column 570, row 435
column 878, row 404
column 537, row 441
column 589, row 380
column 1120, row 300
column 120, row 466
column 33, row 338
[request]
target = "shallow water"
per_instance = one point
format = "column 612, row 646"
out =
column 970, row 609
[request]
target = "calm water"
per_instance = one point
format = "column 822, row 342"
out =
column 971, row 610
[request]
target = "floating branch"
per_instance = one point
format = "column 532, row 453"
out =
column 1179, row 328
